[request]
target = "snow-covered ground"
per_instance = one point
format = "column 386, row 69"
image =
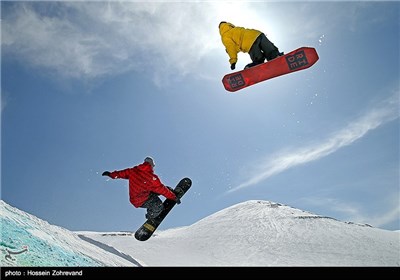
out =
column 29, row 241
column 252, row 233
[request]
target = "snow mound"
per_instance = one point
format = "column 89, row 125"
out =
column 29, row 241
column 264, row 233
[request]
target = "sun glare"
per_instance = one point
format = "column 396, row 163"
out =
column 249, row 15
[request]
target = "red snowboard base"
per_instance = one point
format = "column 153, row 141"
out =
column 296, row 60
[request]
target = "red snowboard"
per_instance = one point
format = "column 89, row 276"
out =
column 296, row 60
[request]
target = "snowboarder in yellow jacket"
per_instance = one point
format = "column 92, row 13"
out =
column 239, row 39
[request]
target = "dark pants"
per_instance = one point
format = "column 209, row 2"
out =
column 262, row 49
column 154, row 206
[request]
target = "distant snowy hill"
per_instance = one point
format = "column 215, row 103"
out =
column 252, row 233
column 263, row 233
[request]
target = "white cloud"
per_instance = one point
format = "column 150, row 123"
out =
column 90, row 40
column 355, row 213
column 386, row 218
column 384, row 112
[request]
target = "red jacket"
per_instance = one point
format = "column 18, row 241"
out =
column 142, row 181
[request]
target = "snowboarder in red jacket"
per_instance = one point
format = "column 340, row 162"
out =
column 144, row 187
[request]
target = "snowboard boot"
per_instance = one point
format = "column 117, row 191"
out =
column 274, row 54
column 253, row 64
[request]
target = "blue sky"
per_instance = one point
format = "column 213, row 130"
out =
column 94, row 86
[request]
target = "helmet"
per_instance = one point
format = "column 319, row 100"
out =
column 150, row 160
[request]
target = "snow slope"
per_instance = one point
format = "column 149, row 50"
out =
column 252, row 233
column 263, row 233
column 29, row 241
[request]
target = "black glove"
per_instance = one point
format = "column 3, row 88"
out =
column 233, row 65
column 106, row 173
column 177, row 200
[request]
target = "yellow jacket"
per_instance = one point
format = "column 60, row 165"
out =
column 237, row 39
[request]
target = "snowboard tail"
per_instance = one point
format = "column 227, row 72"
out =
column 296, row 60
column 150, row 226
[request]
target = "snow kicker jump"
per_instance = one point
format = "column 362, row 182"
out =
column 296, row 60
